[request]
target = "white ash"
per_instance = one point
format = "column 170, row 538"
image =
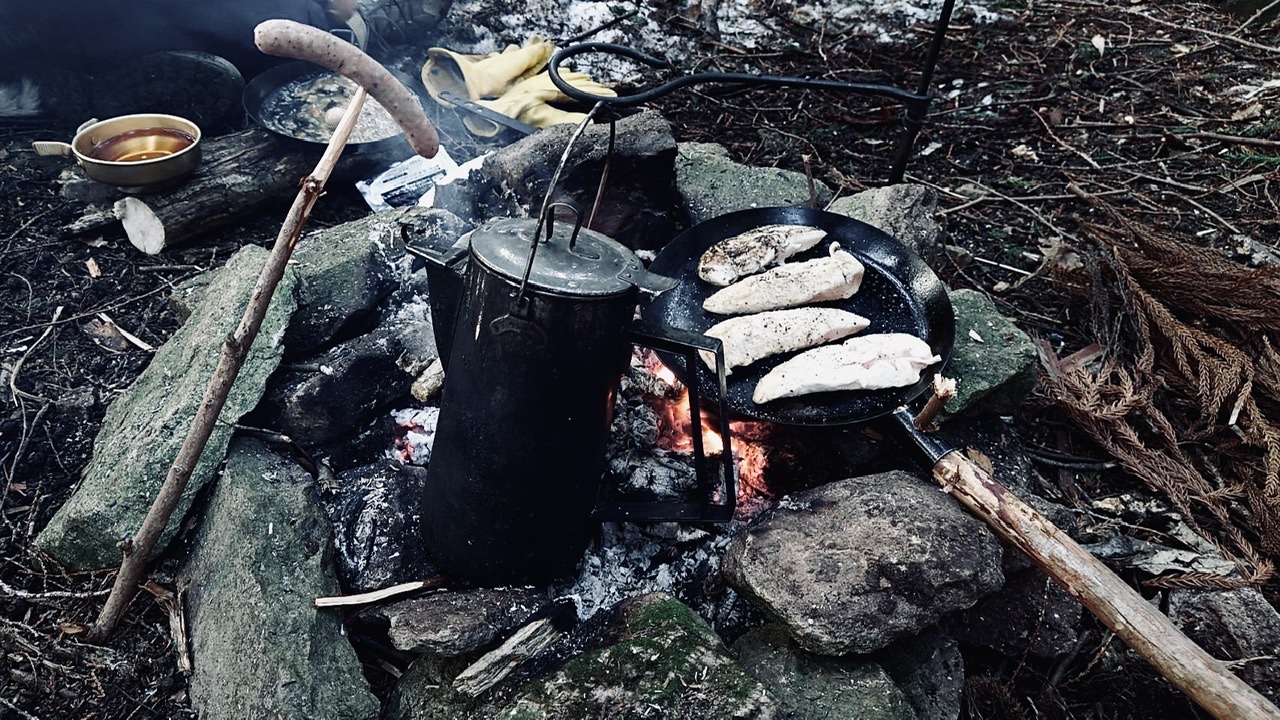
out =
column 415, row 434
column 683, row 561
column 484, row 26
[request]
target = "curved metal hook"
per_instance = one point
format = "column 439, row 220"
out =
column 914, row 103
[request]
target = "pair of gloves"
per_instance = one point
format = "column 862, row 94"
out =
column 513, row 82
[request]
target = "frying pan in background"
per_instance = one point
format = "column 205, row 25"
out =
column 901, row 294
column 266, row 106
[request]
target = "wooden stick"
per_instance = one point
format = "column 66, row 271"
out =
column 378, row 595
column 496, row 664
column 1149, row 632
column 234, row 349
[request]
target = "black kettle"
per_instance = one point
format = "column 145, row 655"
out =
column 535, row 325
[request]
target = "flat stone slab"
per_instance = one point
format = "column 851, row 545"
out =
column 260, row 648
column 145, row 427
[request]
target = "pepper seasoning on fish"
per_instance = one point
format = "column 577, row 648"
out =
column 754, row 250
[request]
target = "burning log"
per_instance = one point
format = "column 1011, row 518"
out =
column 240, row 174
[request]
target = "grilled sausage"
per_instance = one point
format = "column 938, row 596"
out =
column 288, row 39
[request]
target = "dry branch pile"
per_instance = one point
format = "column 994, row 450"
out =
column 1183, row 391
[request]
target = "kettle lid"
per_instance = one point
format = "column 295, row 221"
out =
column 568, row 260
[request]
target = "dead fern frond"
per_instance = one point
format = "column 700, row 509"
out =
column 1188, row 397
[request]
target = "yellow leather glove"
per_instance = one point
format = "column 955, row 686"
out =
column 527, row 101
column 483, row 76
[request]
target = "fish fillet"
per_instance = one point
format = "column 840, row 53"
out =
column 754, row 250
column 835, row 277
column 748, row 338
column 866, row 362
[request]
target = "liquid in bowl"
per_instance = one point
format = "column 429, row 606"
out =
column 142, row 144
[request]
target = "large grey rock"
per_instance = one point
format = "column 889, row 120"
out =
column 455, row 623
column 636, row 208
column 1234, row 625
column 145, row 426
column 345, row 271
column 906, row 211
column 260, row 648
column 854, row 565
column 813, row 687
column 665, row 663
column 994, row 362
column 711, row 184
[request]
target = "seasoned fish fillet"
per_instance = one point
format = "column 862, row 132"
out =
column 866, row 362
column 748, row 338
column 754, row 250
column 835, row 277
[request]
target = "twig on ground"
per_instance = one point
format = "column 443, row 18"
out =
column 1257, row 14
column 133, row 339
column 13, row 592
column 1208, row 33
column 1235, row 139
column 1063, row 144
column 23, row 441
column 17, row 393
column 378, row 595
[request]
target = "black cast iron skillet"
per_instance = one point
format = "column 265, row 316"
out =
column 899, row 293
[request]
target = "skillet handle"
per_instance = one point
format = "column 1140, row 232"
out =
column 1149, row 632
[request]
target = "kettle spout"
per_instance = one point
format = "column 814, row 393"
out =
column 445, row 269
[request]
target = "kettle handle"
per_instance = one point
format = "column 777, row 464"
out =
column 545, row 220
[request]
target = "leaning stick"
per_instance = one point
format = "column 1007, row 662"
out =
column 286, row 39
column 234, row 349
column 1151, row 634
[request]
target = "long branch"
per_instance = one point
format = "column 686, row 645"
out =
column 137, row 551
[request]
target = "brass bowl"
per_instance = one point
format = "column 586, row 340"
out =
column 134, row 152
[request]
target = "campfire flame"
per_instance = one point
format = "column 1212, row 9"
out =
column 749, row 439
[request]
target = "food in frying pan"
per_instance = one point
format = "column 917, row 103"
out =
column 748, row 338
column 309, row 107
column 865, row 362
column 835, row 277
column 754, row 250
column 286, row 38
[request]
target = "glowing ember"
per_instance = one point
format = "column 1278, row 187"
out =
column 749, row 439
column 415, row 434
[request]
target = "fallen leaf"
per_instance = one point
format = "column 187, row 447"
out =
column 1247, row 112
column 976, row 337
column 105, row 334
column 1024, row 152
column 1100, row 43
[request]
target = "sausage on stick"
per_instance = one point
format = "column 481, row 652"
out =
column 288, row 39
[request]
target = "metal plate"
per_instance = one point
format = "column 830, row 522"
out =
column 899, row 293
